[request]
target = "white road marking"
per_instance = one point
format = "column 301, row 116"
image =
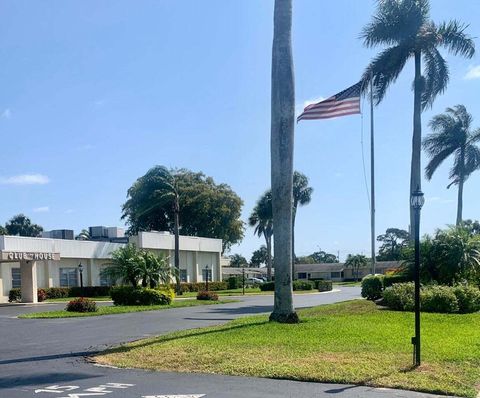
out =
column 175, row 396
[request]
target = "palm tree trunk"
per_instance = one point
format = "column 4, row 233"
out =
column 460, row 196
column 268, row 239
column 415, row 171
column 177, row 247
column 294, row 213
column 281, row 147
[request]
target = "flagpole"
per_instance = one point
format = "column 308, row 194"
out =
column 372, row 177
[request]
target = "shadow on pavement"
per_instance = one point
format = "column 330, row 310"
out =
column 256, row 309
column 48, row 357
column 42, row 378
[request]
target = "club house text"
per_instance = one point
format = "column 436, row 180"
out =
column 30, row 256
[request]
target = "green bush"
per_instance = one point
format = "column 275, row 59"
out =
column 372, row 287
column 57, row 292
column 303, row 285
column 81, row 305
column 89, row 291
column 323, row 286
column 207, row 296
column 389, row 280
column 128, row 295
column 468, row 298
column 234, row 282
column 267, row 287
column 400, row 297
column 14, row 295
column 440, row 299
column 198, row 287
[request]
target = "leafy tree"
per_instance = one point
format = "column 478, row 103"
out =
column 406, row 28
column 302, row 195
column 355, row 262
column 318, row 257
column 3, row 230
column 83, row 235
column 281, row 148
column 259, row 257
column 237, row 260
column 21, row 225
column 473, row 227
column 206, row 209
column 452, row 136
column 262, row 219
column 394, row 240
column 124, row 265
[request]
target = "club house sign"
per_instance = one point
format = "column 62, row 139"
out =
column 29, row 256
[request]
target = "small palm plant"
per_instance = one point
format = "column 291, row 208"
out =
column 452, row 136
column 124, row 265
column 355, row 262
column 155, row 269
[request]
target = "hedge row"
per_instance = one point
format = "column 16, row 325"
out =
column 373, row 285
column 321, row 285
column 212, row 296
column 128, row 295
column 434, row 298
column 201, row 286
column 62, row 292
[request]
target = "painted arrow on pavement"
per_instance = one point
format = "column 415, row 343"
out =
column 175, row 396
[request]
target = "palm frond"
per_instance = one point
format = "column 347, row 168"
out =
column 452, row 36
column 436, row 76
column 385, row 69
column 435, row 162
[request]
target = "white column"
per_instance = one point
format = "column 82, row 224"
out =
column 48, row 273
column 28, row 274
column 195, row 268
column 1, row 283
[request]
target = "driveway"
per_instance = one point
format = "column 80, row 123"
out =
column 45, row 357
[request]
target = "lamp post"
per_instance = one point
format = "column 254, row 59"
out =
column 416, row 201
column 206, row 277
column 80, row 270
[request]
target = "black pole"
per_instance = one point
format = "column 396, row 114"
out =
column 417, row 287
column 243, row 281
column 81, row 283
column 206, row 285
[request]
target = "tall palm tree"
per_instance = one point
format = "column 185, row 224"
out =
column 281, row 148
column 167, row 191
column 302, row 195
column 452, row 135
column 406, row 28
column 262, row 219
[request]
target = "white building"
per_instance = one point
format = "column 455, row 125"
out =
column 31, row 263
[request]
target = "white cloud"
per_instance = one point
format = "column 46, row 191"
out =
column 300, row 107
column 473, row 73
column 69, row 211
column 438, row 199
column 25, row 179
column 41, row 209
column 6, row 114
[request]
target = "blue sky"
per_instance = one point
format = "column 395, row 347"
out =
column 94, row 93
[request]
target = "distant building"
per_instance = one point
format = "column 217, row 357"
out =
column 59, row 234
column 107, row 234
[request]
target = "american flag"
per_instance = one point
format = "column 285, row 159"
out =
column 346, row 102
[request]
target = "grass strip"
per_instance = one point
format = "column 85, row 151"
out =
column 351, row 342
column 120, row 309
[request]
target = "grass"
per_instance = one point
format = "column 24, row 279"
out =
column 248, row 291
column 121, row 309
column 351, row 342
column 349, row 283
column 67, row 299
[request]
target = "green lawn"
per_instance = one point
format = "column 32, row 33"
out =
column 249, row 291
column 349, row 283
column 110, row 310
column 353, row 342
column 67, row 299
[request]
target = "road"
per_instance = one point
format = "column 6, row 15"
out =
column 46, row 357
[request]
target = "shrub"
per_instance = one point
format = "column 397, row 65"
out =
column 468, row 298
column 323, row 286
column 234, row 282
column 89, row 291
column 128, row 295
column 389, row 280
column 200, row 286
column 372, row 287
column 267, row 287
column 14, row 295
column 438, row 299
column 81, row 305
column 400, row 296
column 57, row 292
column 303, row 285
column 207, row 296
column 41, row 295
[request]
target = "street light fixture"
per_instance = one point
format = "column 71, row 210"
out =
column 80, row 270
column 417, row 200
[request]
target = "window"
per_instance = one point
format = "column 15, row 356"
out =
column 16, row 278
column 183, row 275
column 302, row 275
column 336, row 275
column 68, row 277
column 106, row 281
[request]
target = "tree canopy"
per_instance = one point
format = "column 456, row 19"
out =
column 207, row 209
column 237, row 260
column 394, row 241
column 21, row 225
column 259, row 257
column 317, row 257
